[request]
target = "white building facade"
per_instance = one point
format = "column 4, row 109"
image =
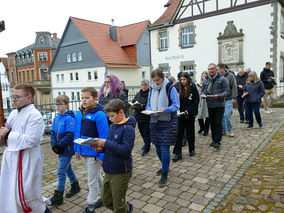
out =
column 244, row 33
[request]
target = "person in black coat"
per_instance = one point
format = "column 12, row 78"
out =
column 189, row 100
column 142, row 119
column 241, row 79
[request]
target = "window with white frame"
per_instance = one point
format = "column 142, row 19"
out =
column 80, row 56
column 78, row 96
column 45, row 56
column 68, row 58
column 28, row 76
column 163, row 40
column 12, row 76
column 95, row 75
column 77, row 76
column 57, row 78
column 187, row 37
column 33, row 76
column 74, row 57
column 165, row 69
column 143, row 75
column 62, row 77
column 24, row 76
column 71, row 76
column 20, row 77
column 44, row 74
column 89, row 75
column 40, row 56
column 72, row 96
column 189, row 67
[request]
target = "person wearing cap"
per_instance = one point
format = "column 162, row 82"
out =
column 142, row 119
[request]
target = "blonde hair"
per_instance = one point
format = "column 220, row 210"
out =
column 91, row 90
column 204, row 72
column 254, row 75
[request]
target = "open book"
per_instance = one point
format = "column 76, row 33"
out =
column 180, row 113
column 136, row 103
column 87, row 141
column 207, row 96
column 150, row 112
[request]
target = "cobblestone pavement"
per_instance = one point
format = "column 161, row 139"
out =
column 232, row 179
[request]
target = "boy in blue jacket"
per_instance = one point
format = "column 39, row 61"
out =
column 62, row 134
column 91, row 122
column 117, row 163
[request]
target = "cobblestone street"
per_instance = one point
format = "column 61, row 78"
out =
column 245, row 175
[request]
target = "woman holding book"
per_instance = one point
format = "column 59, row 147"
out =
column 189, row 100
column 163, row 98
column 253, row 92
column 139, row 104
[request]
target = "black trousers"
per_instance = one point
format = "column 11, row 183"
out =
column 215, row 117
column 144, row 129
column 204, row 125
column 187, row 124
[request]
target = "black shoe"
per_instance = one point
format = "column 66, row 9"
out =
column 159, row 172
column 145, row 152
column 164, row 179
column 212, row 143
column 216, row 145
column 184, row 142
column 75, row 188
column 177, row 158
column 192, row 153
column 99, row 203
column 205, row 133
column 87, row 210
column 57, row 198
column 130, row 206
column 200, row 131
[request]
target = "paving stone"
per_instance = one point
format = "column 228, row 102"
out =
column 196, row 207
column 152, row 208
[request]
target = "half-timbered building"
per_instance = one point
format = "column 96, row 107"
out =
column 193, row 33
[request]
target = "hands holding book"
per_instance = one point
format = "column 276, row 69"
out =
column 99, row 144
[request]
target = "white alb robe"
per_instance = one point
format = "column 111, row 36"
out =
column 27, row 129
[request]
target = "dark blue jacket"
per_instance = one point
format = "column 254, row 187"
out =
column 264, row 76
column 92, row 125
column 118, row 147
column 62, row 132
column 256, row 92
column 241, row 80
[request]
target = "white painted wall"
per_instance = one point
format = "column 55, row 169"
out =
column 255, row 23
column 5, row 91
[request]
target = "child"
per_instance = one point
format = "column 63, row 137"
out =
column 62, row 135
column 117, row 163
column 91, row 122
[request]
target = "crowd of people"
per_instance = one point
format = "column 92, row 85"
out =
column 172, row 108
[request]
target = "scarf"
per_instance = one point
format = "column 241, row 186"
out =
column 106, row 91
column 159, row 99
column 209, row 88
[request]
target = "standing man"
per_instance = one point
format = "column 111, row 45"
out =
column 230, row 99
column 267, row 77
column 22, row 160
column 215, row 88
column 241, row 81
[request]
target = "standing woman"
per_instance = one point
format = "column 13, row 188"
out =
column 163, row 97
column 142, row 119
column 203, row 110
column 112, row 88
column 189, row 100
column 254, row 91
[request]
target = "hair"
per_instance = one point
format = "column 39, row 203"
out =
column 28, row 89
column 184, row 92
column 204, row 72
column 115, row 105
column 116, row 87
column 215, row 66
column 157, row 72
column 222, row 66
column 172, row 78
column 179, row 75
column 254, row 75
column 267, row 63
column 241, row 67
column 145, row 81
column 91, row 90
column 62, row 98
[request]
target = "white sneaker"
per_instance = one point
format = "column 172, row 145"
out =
column 270, row 110
column 266, row 111
column 231, row 134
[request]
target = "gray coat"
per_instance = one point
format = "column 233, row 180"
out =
column 231, row 78
column 220, row 87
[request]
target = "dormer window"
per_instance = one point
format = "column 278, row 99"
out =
column 74, row 57
column 80, row 56
column 68, row 58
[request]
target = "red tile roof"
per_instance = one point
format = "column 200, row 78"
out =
column 168, row 15
column 110, row 52
column 5, row 62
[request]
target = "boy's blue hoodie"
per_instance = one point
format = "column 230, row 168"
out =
column 62, row 132
column 93, row 124
column 118, row 147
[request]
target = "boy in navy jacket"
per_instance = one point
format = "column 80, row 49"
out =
column 117, row 163
column 62, row 134
column 91, row 122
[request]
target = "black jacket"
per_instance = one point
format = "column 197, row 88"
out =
column 142, row 98
column 190, row 104
column 264, row 76
column 241, row 80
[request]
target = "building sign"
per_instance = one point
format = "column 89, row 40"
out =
column 174, row 57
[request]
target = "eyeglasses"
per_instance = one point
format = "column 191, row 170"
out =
column 16, row 97
column 107, row 82
column 59, row 104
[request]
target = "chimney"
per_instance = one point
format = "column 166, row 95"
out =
column 54, row 35
column 112, row 31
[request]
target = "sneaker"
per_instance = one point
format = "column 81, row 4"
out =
column 130, row 206
column 249, row 127
column 212, row 143
column 231, row 134
column 270, row 110
column 145, row 152
column 99, row 203
column 192, row 153
column 266, row 111
column 260, row 125
column 87, row 210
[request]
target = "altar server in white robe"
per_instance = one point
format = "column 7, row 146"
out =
column 20, row 188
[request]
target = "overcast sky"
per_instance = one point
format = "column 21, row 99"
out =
column 24, row 18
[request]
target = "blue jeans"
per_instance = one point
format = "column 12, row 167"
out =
column 227, row 117
column 241, row 108
column 64, row 169
column 164, row 155
column 144, row 129
column 253, row 107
